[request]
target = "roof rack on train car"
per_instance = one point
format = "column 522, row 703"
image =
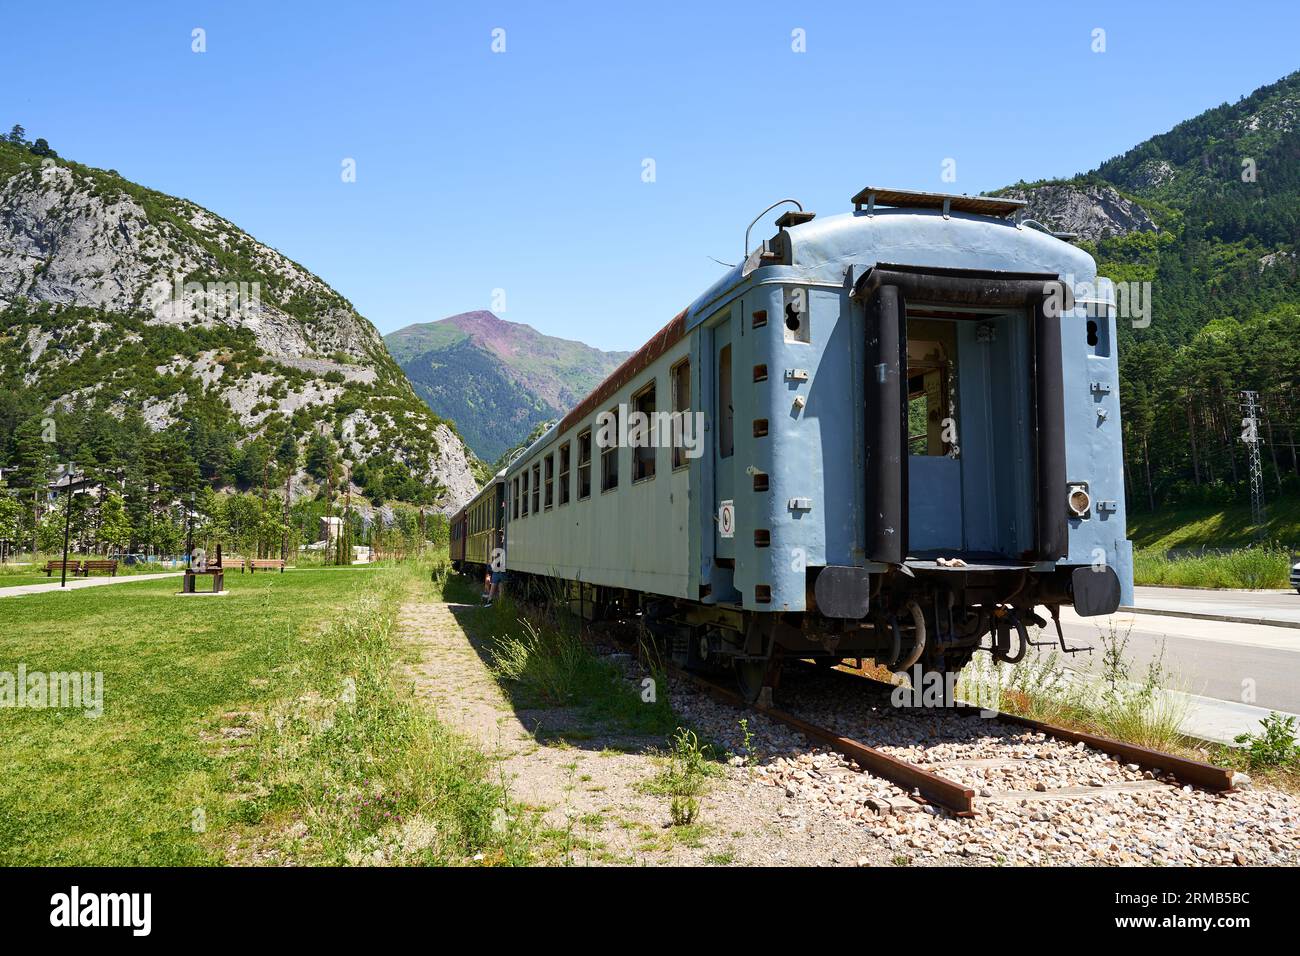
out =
column 874, row 196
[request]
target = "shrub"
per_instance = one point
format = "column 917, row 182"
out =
column 1275, row 744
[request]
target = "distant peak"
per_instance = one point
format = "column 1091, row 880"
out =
column 478, row 317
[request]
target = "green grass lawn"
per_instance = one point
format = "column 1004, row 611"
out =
column 1196, row 527
column 1252, row 563
column 270, row 719
column 12, row 576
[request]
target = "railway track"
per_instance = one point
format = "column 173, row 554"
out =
column 931, row 782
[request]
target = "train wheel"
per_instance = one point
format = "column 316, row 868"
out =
column 750, row 677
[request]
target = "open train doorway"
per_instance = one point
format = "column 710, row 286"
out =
column 969, row 434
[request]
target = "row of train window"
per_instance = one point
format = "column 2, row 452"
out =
column 536, row 488
column 479, row 518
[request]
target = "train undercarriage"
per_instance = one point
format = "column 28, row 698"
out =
column 921, row 615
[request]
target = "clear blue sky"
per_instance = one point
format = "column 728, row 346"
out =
column 523, row 170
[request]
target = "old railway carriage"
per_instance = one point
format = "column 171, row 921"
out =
column 910, row 450
column 476, row 529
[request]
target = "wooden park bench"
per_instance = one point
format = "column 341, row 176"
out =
column 255, row 563
column 96, row 565
column 73, row 567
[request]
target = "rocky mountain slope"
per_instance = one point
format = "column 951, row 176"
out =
column 122, row 298
column 498, row 380
column 1088, row 211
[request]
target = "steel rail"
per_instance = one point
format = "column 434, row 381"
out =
column 1186, row 769
column 934, row 788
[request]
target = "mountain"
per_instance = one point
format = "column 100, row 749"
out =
column 119, row 304
column 1208, row 213
column 497, row 380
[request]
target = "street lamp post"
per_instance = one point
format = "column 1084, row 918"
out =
column 189, row 534
column 67, row 524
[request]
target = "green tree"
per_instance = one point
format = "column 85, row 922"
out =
column 114, row 526
column 286, row 453
column 49, row 533
column 10, row 517
column 321, row 456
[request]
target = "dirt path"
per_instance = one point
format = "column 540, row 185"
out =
column 587, row 781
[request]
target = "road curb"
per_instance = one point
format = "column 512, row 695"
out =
column 1199, row 616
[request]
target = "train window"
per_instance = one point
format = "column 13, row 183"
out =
column 609, row 457
column 726, row 413
column 798, row 326
column 680, row 377
column 643, row 444
column 564, row 474
column 537, row 487
column 549, row 465
column 584, row 465
column 931, row 391
column 1098, row 330
column 524, row 510
column 514, row 497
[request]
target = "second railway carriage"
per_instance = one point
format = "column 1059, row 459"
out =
column 897, row 437
column 476, row 530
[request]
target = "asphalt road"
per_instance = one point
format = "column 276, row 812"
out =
column 1242, row 663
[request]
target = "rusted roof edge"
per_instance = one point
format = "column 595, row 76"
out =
column 632, row 366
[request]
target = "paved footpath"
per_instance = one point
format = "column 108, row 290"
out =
column 1264, row 607
column 75, row 583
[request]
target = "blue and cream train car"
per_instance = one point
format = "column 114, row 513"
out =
column 908, row 448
